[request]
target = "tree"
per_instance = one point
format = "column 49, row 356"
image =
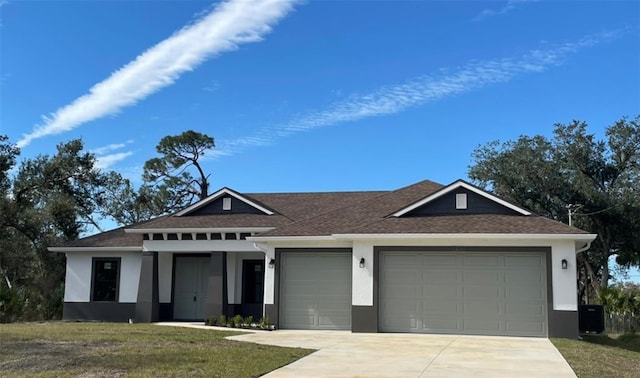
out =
column 169, row 175
column 574, row 170
column 48, row 200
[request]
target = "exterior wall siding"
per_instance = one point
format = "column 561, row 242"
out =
column 78, row 277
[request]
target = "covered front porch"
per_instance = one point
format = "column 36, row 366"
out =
column 193, row 276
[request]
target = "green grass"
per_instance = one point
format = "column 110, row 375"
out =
column 602, row 356
column 61, row 349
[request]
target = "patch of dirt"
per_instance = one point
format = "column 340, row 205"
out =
column 36, row 356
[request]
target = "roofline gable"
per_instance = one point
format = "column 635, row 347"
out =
column 456, row 185
column 218, row 194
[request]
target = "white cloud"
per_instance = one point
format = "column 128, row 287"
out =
column 110, row 147
column 230, row 24
column 508, row 7
column 418, row 91
column 106, row 161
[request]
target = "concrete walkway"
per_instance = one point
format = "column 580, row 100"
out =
column 346, row 354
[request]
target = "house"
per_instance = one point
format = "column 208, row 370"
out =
column 423, row 258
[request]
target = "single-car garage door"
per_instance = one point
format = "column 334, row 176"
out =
column 463, row 293
column 315, row 290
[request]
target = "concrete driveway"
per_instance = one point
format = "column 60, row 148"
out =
column 346, row 354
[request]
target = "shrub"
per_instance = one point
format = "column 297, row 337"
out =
column 222, row 320
column 248, row 320
column 212, row 321
column 237, row 321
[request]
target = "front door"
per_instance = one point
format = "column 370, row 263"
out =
column 190, row 290
column 252, row 288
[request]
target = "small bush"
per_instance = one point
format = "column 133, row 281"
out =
column 212, row 321
column 222, row 320
column 248, row 320
column 265, row 323
column 237, row 321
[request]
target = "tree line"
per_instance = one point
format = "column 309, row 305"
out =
column 50, row 199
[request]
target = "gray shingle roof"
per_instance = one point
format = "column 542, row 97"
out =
column 323, row 214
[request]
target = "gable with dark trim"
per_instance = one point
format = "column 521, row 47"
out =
column 446, row 205
column 216, row 207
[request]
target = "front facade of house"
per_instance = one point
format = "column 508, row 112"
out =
column 425, row 258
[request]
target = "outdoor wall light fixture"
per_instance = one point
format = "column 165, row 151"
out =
column 564, row 264
column 272, row 263
column 362, row 262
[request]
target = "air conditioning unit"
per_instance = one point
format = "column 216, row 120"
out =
column 591, row 318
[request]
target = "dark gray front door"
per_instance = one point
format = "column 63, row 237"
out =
column 190, row 290
column 252, row 288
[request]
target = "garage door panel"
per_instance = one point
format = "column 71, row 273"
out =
column 400, row 260
column 476, row 325
column 484, row 309
column 501, row 293
column 482, row 277
column 439, row 259
column 440, row 307
column 439, row 292
column 485, row 292
column 524, row 293
column 480, row 261
column 315, row 290
column 440, row 277
column 525, row 327
column 524, row 261
column 441, row 325
column 338, row 321
column 399, row 306
column 400, row 277
column 524, row 309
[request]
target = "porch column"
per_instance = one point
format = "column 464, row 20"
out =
column 216, row 303
column 147, row 305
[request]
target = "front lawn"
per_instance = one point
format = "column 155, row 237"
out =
column 602, row 356
column 60, row 349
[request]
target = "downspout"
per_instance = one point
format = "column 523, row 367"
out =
column 586, row 246
column 260, row 248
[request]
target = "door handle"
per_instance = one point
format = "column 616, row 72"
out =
column 194, row 298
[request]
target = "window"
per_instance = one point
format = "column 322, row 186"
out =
column 226, row 203
column 461, row 201
column 105, row 279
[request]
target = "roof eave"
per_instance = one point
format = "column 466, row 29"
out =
column 577, row 237
column 289, row 238
column 96, row 249
column 193, row 229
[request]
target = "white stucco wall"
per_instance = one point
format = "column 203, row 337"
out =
column 234, row 273
column 565, row 289
column 78, row 275
column 77, row 283
column 362, row 278
column 269, row 276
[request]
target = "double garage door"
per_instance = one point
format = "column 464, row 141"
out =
column 463, row 293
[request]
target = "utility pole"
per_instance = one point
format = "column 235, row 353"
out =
column 573, row 208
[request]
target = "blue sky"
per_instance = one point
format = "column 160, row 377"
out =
column 316, row 95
